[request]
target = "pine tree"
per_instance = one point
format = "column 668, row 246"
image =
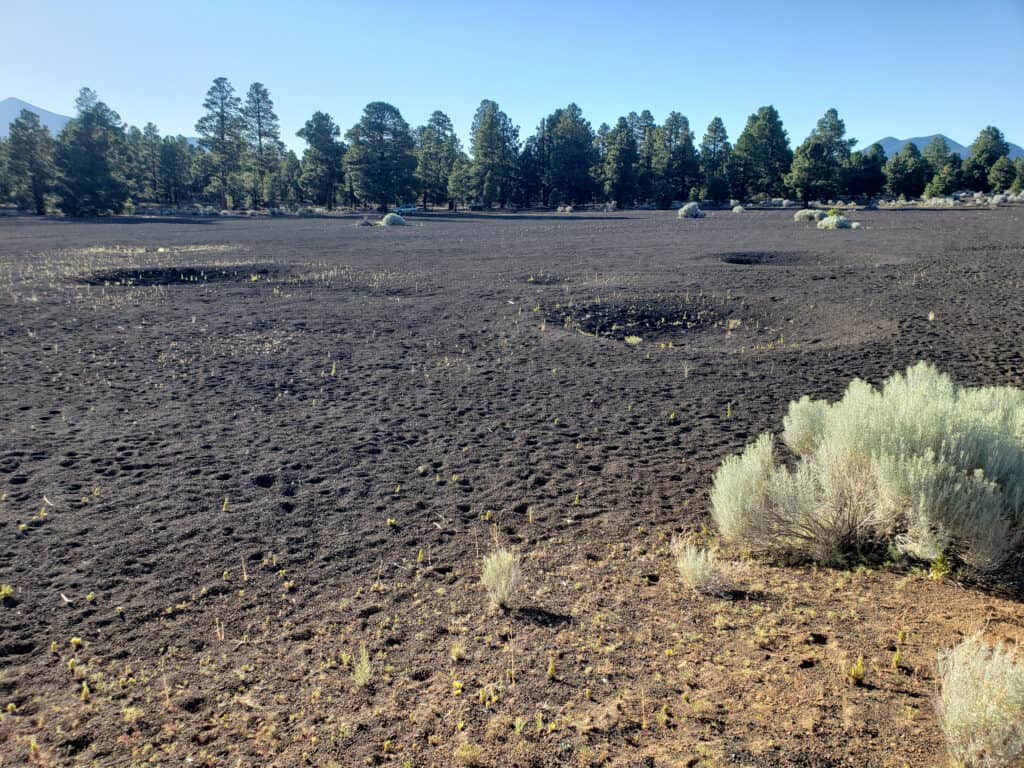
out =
column 262, row 134
column 5, row 182
column 645, row 129
column 1002, row 176
column 761, row 157
column 220, row 134
column 462, row 182
column 985, row 151
column 437, row 148
column 495, row 147
column 30, row 167
column 91, row 159
column 286, row 187
column 715, row 157
column 380, row 161
column 322, row 169
column 819, row 163
column 175, row 180
column 906, row 172
column 621, row 158
column 865, row 173
column 570, row 156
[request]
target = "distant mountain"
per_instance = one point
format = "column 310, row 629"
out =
column 892, row 146
column 11, row 108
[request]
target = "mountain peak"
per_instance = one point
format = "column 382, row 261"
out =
column 10, row 109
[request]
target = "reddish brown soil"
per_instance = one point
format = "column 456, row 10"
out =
column 262, row 444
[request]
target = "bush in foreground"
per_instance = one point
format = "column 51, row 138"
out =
column 502, row 575
column 698, row 568
column 691, row 211
column 738, row 209
column 981, row 705
column 921, row 464
column 393, row 220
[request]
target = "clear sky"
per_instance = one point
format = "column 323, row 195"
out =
column 900, row 68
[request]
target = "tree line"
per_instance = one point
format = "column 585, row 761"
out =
column 98, row 164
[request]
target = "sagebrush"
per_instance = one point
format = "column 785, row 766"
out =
column 502, row 576
column 919, row 464
column 981, row 704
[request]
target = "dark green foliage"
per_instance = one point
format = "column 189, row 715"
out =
column 947, row 179
column 437, row 148
column 906, row 172
column 91, row 158
column 5, row 179
column 322, row 170
column 30, row 171
column 644, row 128
column 819, row 163
column 495, row 147
column 715, row 157
column 1002, row 176
column 262, row 134
column 285, row 182
column 175, row 183
column 761, row 157
column 620, row 164
column 220, row 134
column 985, row 151
column 937, row 154
column 380, row 161
column 865, row 172
column 1018, row 182
column 675, row 165
column 566, row 156
column 462, row 182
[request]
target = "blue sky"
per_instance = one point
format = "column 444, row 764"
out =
column 890, row 68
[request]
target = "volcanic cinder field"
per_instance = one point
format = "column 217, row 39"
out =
column 236, row 452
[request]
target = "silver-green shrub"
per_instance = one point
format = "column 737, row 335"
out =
column 808, row 214
column 981, row 705
column 691, row 211
column 393, row 220
column 921, row 463
column 835, row 221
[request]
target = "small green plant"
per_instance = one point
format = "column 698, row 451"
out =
column 502, row 576
column 362, row 668
column 457, row 652
column 6, row 592
column 941, row 568
column 855, row 674
column 633, row 340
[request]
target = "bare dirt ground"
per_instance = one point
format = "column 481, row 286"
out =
column 235, row 452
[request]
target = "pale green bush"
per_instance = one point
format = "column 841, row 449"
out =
column 691, row 211
column 922, row 464
column 393, row 220
column 738, row 209
column 808, row 214
column 502, row 576
column 698, row 567
column 835, row 221
column 981, row 705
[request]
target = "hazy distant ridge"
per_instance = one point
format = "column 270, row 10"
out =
column 892, row 146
